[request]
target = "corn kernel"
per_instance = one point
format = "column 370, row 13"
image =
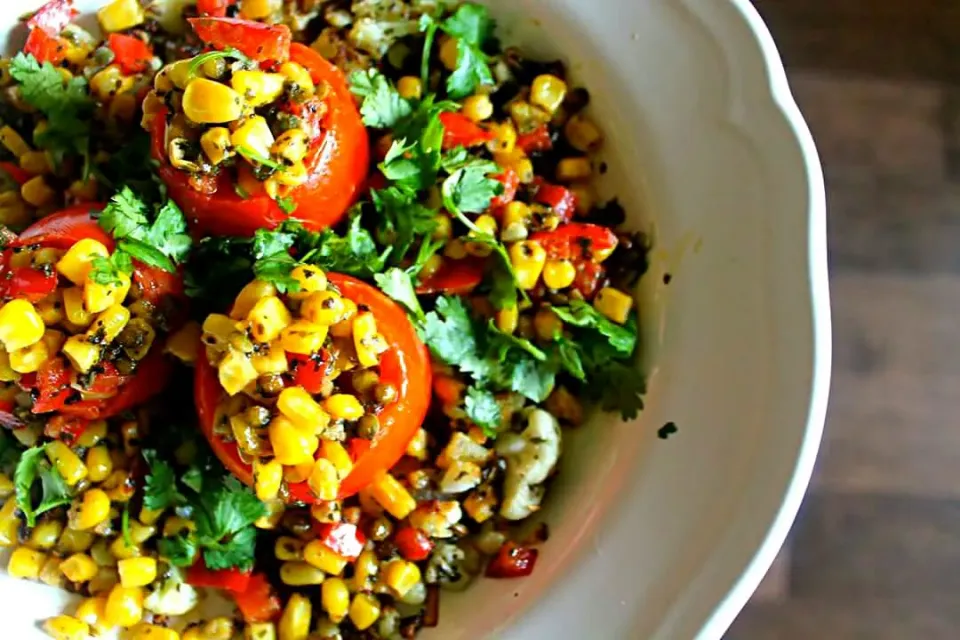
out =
column 235, row 372
column 20, row 325
column 73, row 306
column 582, row 134
column 9, row 524
column 66, row 628
column 267, row 477
column 613, row 304
column 300, row 574
column 477, row 108
column 90, row 510
column 108, row 324
column 449, row 53
column 298, row 75
column 257, row 87
column 287, row 548
column 124, row 606
column 572, row 169
column 365, row 570
column 368, row 343
column 30, row 359
column 92, row 611
column 260, row 631
column 335, row 453
column 323, row 307
column 410, row 87
column 309, row 278
column 82, row 354
column 291, row 445
column 184, row 343
column 37, row 192
column 120, row 15
column 7, row 374
column 303, row 337
column 364, row 610
column 210, row 102
column 267, row 319
column 215, row 143
column 559, row 274
column 79, row 568
column 67, row 463
column 153, row 632
column 528, row 259
column 44, row 535
column 324, row 481
column 301, row 409
column 295, row 621
column 335, row 599
column 271, row 360
column 35, row 162
column 322, row 557
column 137, row 572
column 401, row 576
column 547, row 92
column 343, row 406
column 393, row 497
column 26, row 563
column 15, row 144
column 253, row 136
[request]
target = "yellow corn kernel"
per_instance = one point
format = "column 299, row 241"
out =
column 303, row 337
column 9, row 524
column 336, row 454
column 298, row 75
column 324, row 481
column 477, row 108
column 150, row 516
column 270, row 359
column 20, row 325
column 83, row 355
column 368, row 343
column 26, row 563
column 504, row 137
column 50, row 572
column 267, row 477
column 547, row 325
column 559, row 274
column 507, row 319
column 267, row 319
column 73, row 541
column 90, row 510
column 323, row 307
column 235, row 372
column 218, row 330
column 137, row 572
column 548, row 92
column 300, row 574
column 324, row 558
column 516, row 218
column 109, row 82
column 15, row 144
column 288, row 548
column 7, row 374
column 109, row 323
column 74, row 308
column 335, row 599
column 582, row 134
column 401, row 576
column 99, row 297
column 298, row 474
column 94, row 433
column 295, row 621
column 308, row 277
column 53, row 340
column 253, row 136
column 35, row 162
column 92, row 611
column 37, row 192
column 365, row 570
column 393, row 496
column 29, row 359
column 83, row 190
column 343, row 406
column 528, row 259
column 571, row 169
column 293, row 176
column 124, row 606
column 301, row 409
column 120, row 15
column 67, row 463
column 364, row 610
column 210, row 102
column 260, row 631
column 66, row 628
column 291, row 147
column 44, row 535
column 257, row 87
column 79, row 568
column 613, row 304
column 449, row 54
column 519, row 162
column 291, row 445
column 215, row 143
column 103, row 582
column 417, row 447
column 99, row 463
column 152, row 632
column 184, row 343
column 410, row 87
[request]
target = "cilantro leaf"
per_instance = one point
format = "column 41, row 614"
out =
column 449, row 331
column 162, row 244
column 398, row 284
column 382, row 106
column 568, row 354
column 146, row 254
column 107, row 270
column 287, row 204
column 125, row 525
column 224, row 519
column 125, row 216
column 470, row 23
column 54, row 491
column 482, row 408
column 401, row 220
column 237, row 551
column 160, row 488
column 354, row 253
column 622, row 338
column 472, row 26
column 227, row 54
column 179, row 550
column 267, row 243
column 530, row 378
column 469, row 189
column 617, row 386
column 255, row 156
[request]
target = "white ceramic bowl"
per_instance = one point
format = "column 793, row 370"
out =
column 650, row 538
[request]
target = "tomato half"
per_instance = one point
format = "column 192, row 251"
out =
column 405, row 365
column 256, row 40
column 337, row 164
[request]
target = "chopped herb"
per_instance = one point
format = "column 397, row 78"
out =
column 125, row 525
column 398, row 284
column 382, row 106
column 667, row 430
column 472, row 26
column 160, row 488
column 54, row 491
column 482, row 408
column 162, row 243
column 287, row 204
column 255, row 156
column 228, row 53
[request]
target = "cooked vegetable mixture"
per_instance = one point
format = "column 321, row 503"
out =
column 296, row 301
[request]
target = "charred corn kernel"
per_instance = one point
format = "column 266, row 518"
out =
column 137, row 572
column 35, row 162
column 253, row 136
column 235, row 372
column 449, row 54
column 582, row 134
column 124, row 606
column 324, row 481
column 210, row 102
column 323, row 307
column 26, row 563
column 335, row 598
column 401, row 576
column 74, row 309
column 393, row 496
column 51, row 309
column 15, row 144
column 82, row 354
column 298, row 75
column 90, row 510
column 99, row 297
column 516, row 217
column 477, row 108
column 108, row 324
column 66, row 628
column 291, row 445
column 20, row 325
column 410, row 87
column 215, row 143
column 50, row 572
column 571, row 169
column 183, row 343
column 364, row 611
column 92, row 611
column 288, row 548
column 309, row 278
column 507, row 319
column 218, row 329
column 120, row 15
column 528, row 259
column 301, row 409
column 78, row 260
column 291, row 147
column 300, row 574
column 298, row 474
column 559, row 274
column 137, row 338
column 368, row 343
column 343, row 406
column 547, row 92
column 175, row 525
column 267, row 477
column 29, row 359
column 99, row 464
column 303, row 337
column 295, row 621
column 9, row 524
column 271, row 359
column 336, row 454
column 257, row 87
column 73, row 541
column 44, row 536
column 613, row 304
column 324, row 558
column 152, row 632
column 260, row 631
column 109, row 82
column 293, row 175
column 79, row 568
column 267, row 319
column 6, row 487
column 67, row 463
column 504, row 137
column 365, row 570
column 7, row 374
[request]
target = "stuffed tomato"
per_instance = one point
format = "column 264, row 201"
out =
column 313, row 395
column 256, row 131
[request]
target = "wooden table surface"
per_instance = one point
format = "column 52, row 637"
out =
column 875, row 552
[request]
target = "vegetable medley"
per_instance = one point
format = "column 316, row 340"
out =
column 298, row 299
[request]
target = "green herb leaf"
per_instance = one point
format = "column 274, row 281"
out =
column 469, row 189
column 225, row 531
column 235, row 552
column 568, row 354
column 255, row 156
column 623, row 338
column 287, row 204
column 482, row 408
column 33, row 464
column 180, row 550
column 617, row 386
column 401, row 220
column 428, row 26
column 382, row 106
column 160, row 489
column 107, row 270
column 354, row 253
column 398, row 284
column 162, row 244
column 125, row 525
column 229, row 53
column 472, row 26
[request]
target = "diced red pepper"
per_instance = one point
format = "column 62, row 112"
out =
column 45, row 47
column 255, row 40
column 578, row 241
column 20, row 176
column 232, row 580
column 65, row 428
column 131, row 53
column 461, row 131
column 107, row 382
column 454, row 277
column 213, row 8
column 414, row 545
column 562, row 200
column 536, row 140
column 512, row 561
column 308, row 371
column 510, row 181
column 53, row 16
column 52, row 381
column 29, row 283
column 259, row 602
column 310, row 113
column 342, row 538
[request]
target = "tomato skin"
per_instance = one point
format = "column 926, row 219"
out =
column 337, row 164
column 213, row 8
column 461, row 131
column 512, row 561
column 53, row 16
column 132, row 54
column 65, row 228
column 27, row 282
column 259, row 602
column 256, row 40
column 343, row 538
column 45, row 47
column 454, row 277
column 406, row 366
column 510, row 181
column 535, row 141
column 414, row 545
column 20, row 176
column 232, row 580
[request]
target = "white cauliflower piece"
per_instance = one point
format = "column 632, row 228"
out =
column 171, row 596
column 531, row 456
column 380, row 23
column 460, row 477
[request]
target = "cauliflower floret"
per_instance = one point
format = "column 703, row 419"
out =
column 380, row 23
column 531, row 457
column 171, row 596
column 460, row 477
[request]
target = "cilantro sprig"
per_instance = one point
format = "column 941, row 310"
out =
column 228, row 53
column 472, row 26
column 54, row 492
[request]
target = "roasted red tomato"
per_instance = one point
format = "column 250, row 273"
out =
column 336, row 164
column 405, row 366
column 512, row 561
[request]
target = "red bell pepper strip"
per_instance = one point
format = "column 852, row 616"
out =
column 405, row 365
column 45, row 47
column 357, row 448
column 578, row 241
column 510, row 181
column 461, row 131
column 337, row 163
column 53, row 16
column 414, row 545
column 535, row 141
column 132, row 54
column 213, row 8
column 255, row 40
column 512, row 561
column 342, row 538
column 18, row 175
column 308, row 371
column 27, row 282
column 258, row 602
column 232, row 580
column 65, row 428
column 454, row 277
